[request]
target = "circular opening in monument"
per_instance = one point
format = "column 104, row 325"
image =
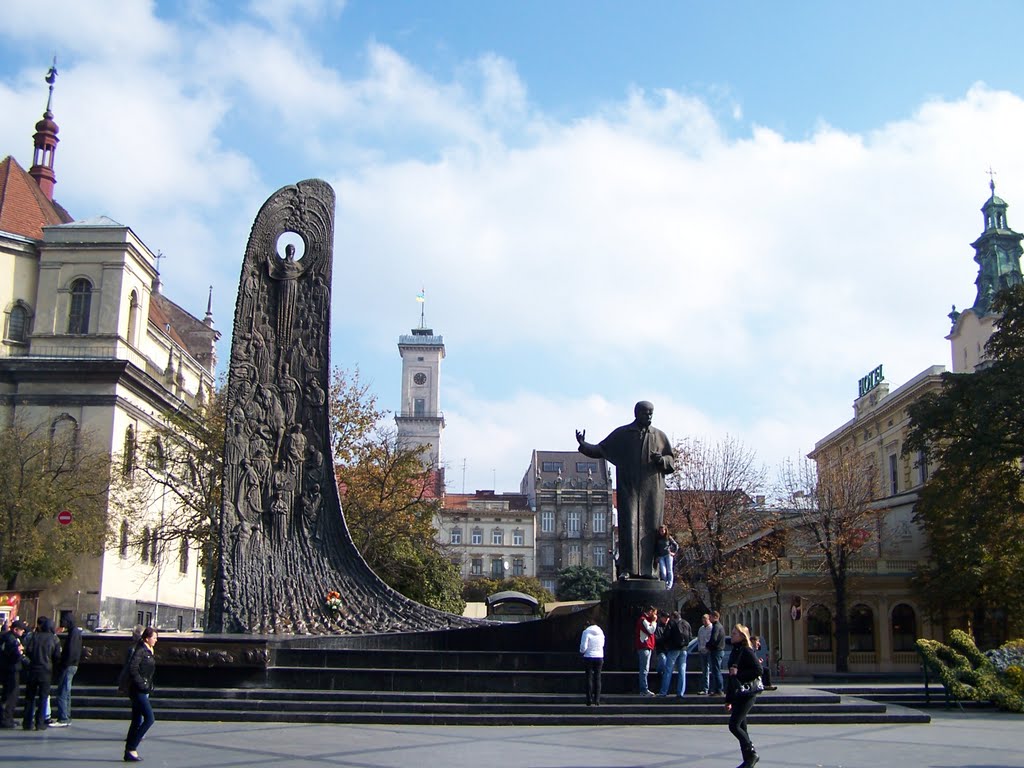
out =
column 293, row 239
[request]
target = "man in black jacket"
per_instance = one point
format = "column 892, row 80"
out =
column 70, row 655
column 11, row 654
column 716, row 650
column 43, row 652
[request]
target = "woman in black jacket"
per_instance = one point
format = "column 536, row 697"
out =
column 140, row 674
column 741, row 690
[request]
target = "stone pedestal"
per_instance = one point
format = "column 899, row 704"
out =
column 623, row 604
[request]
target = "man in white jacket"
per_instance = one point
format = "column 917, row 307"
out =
column 592, row 648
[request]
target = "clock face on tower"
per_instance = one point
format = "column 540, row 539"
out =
column 420, row 378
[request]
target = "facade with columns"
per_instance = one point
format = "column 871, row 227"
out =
column 91, row 344
column 794, row 604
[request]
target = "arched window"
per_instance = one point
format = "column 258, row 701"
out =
column 81, row 301
column 129, row 451
column 862, row 629
column 819, row 629
column 155, row 454
column 904, row 628
column 133, row 315
column 17, row 323
column 183, row 556
column 63, row 441
column 123, row 550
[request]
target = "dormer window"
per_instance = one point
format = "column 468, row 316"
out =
column 81, row 302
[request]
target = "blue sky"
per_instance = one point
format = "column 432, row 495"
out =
column 733, row 210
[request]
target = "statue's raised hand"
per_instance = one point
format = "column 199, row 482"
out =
column 580, row 436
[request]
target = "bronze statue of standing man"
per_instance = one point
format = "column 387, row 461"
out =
column 642, row 456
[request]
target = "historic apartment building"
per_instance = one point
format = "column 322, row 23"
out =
column 488, row 535
column 794, row 604
column 572, row 495
column 90, row 345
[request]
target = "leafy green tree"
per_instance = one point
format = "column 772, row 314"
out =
column 477, row 590
column 44, row 472
column 972, row 507
column 389, row 499
column 581, row 582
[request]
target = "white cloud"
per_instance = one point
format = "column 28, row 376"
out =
column 742, row 284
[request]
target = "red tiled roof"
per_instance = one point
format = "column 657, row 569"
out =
column 24, row 209
column 163, row 322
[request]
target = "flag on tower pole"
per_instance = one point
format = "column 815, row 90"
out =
column 421, row 296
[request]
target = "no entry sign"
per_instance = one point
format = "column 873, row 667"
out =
column 64, row 518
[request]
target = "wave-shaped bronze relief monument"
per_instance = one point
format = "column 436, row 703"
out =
column 284, row 542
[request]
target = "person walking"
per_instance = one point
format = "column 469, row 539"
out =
column 665, row 548
column 677, row 636
column 716, row 655
column 43, row 652
column 744, row 677
column 644, row 639
column 70, row 655
column 11, row 655
column 140, row 685
column 592, row 648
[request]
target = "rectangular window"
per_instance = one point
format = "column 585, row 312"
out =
column 497, row 537
column 575, row 554
column 600, row 521
column 585, row 467
column 551, row 466
column 922, row 468
column 456, row 537
column 517, row 538
column 477, row 568
column 551, row 585
column 518, row 566
column 183, row 557
column 600, row 557
column 497, row 568
column 893, row 477
column 573, row 523
column 547, row 556
column 547, row 521
column 478, row 536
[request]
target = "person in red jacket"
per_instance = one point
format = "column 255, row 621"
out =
column 644, row 640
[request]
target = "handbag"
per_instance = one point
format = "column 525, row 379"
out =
column 752, row 688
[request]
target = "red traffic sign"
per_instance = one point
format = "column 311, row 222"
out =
column 64, row 518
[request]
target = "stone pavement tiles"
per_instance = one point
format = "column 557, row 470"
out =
column 952, row 740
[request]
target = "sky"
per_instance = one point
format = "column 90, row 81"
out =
column 734, row 210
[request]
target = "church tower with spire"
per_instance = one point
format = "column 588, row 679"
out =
column 420, row 420
column 997, row 252
column 46, row 140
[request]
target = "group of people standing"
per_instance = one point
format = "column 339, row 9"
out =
column 41, row 659
column 667, row 637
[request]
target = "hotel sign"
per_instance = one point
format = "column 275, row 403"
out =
column 870, row 381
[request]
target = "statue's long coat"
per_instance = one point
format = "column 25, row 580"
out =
column 641, row 491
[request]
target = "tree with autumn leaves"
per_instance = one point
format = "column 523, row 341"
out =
column 828, row 516
column 389, row 499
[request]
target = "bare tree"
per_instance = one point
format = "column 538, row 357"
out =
column 710, row 507
column 831, row 518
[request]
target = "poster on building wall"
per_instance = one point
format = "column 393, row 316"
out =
column 9, row 604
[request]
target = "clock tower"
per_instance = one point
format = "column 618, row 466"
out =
column 420, row 421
